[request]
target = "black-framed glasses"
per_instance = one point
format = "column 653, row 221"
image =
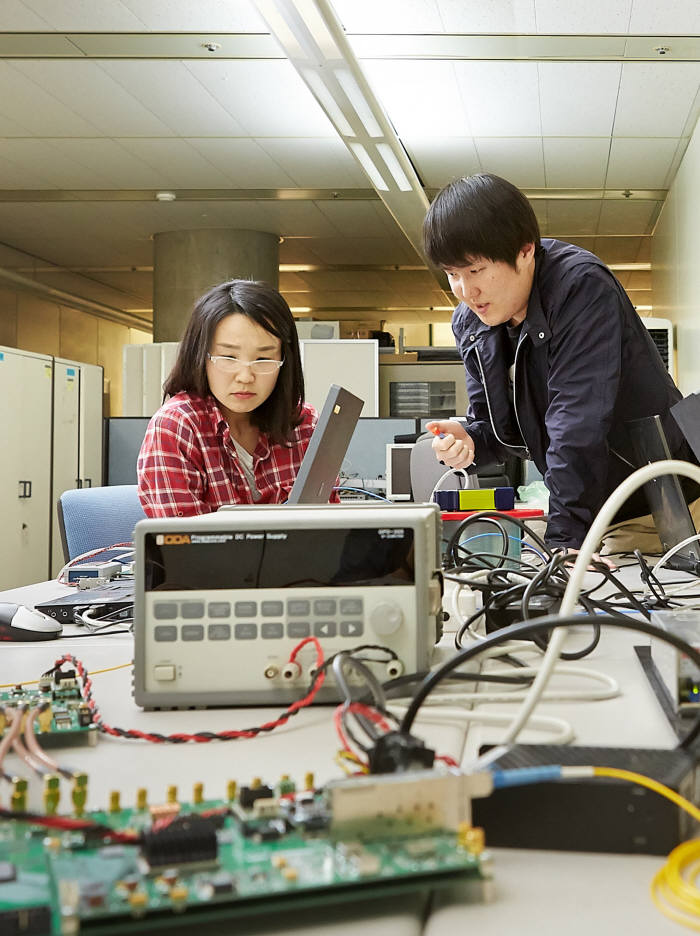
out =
column 229, row 365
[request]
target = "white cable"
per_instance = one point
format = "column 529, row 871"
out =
column 573, row 588
column 563, row 732
column 448, row 474
column 672, row 551
column 610, row 688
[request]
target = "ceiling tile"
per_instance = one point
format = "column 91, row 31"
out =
column 19, row 17
column 210, row 15
column 671, row 17
column 627, row 217
column 642, row 163
column 358, row 219
column 575, row 163
column 594, row 16
column 656, row 98
column 421, row 98
column 39, row 110
column 243, row 162
column 496, row 16
column 125, row 115
column 616, row 249
column 518, row 160
column 48, row 164
column 438, row 160
column 389, row 16
column 315, row 163
column 268, row 98
column 569, row 218
column 594, row 111
column 81, row 15
column 178, row 164
column 172, row 93
column 370, row 250
column 500, row 98
column 108, row 163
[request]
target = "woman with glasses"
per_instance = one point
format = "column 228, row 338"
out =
column 235, row 427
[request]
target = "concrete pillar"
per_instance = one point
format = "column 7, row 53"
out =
column 188, row 263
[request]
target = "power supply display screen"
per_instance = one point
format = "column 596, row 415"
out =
column 279, row 558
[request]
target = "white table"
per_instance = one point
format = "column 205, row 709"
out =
column 533, row 891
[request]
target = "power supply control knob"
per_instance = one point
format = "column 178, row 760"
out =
column 386, row 618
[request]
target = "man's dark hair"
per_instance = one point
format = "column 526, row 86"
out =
column 478, row 216
column 281, row 412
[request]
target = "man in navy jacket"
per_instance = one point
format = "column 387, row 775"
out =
column 556, row 357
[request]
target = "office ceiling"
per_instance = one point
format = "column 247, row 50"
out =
column 104, row 104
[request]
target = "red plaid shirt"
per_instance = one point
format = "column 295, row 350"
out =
column 188, row 464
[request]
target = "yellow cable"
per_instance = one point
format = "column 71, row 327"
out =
column 33, row 682
column 674, row 888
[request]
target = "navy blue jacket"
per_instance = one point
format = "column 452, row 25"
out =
column 584, row 364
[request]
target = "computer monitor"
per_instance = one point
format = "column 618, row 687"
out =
column 398, row 472
column 329, row 443
column 668, row 507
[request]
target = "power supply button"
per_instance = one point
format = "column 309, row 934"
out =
column 164, row 673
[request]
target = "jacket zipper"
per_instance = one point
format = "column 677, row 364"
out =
column 515, row 405
column 488, row 405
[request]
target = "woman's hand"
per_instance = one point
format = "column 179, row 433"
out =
column 453, row 445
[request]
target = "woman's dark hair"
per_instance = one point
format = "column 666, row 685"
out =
column 281, row 412
column 479, row 216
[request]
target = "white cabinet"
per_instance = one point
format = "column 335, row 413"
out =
column 51, row 431
column 77, row 437
column 146, row 368
column 25, row 466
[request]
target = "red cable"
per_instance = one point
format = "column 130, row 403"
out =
column 86, row 692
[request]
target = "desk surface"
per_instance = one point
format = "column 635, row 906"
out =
column 543, row 892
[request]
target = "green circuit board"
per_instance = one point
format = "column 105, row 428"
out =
column 67, row 715
column 211, row 861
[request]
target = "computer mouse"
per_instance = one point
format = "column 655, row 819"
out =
column 18, row 623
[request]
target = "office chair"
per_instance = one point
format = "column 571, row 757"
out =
column 91, row 518
column 426, row 471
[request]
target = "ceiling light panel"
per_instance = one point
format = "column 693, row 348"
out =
column 282, row 105
column 501, row 98
column 640, row 163
column 421, row 98
column 655, row 98
column 594, row 112
column 575, row 163
column 593, row 17
column 171, row 92
column 438, row 160
column 519, row 160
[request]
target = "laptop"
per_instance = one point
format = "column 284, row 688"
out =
column 330, row 440
column 668, row 507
